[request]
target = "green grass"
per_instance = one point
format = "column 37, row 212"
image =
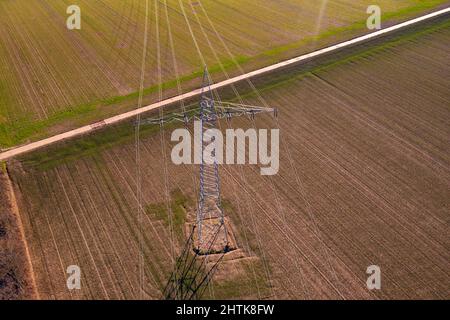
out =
column 95, row 143
column 357, row 55
column 246, row 284
column 91, row 145
column 179, row 205
column 226, row 65
column 352, row 28
column 20, row 128
column 19, row 131
column 387, row 45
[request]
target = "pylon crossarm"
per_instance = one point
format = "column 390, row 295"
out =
column 238, row 108
column 223, row 110
column 173, row 117
column 227, row 110
column 241, row 106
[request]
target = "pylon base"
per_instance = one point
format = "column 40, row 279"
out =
column 217, row 237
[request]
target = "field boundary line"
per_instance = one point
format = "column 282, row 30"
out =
column 16, row 212
column 15, row 151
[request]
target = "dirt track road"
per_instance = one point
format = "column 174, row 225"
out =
column 130, row 114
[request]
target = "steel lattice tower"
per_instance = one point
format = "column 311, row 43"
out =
column 210, row 218
column 211, row 234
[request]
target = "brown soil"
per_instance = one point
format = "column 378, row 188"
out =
column 363, row 180
column 16, row 272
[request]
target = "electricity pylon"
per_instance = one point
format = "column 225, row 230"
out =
column 211, row 231
column 210, row 234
